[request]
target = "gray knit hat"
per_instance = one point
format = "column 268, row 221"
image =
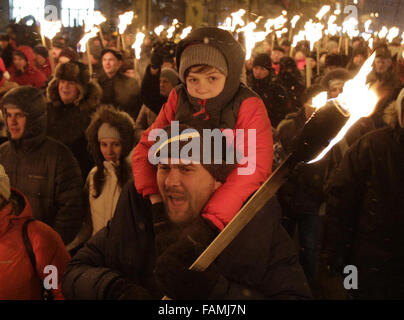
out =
column 197, row 54
column 4, row 184
column 106, row 131
column 171, row 75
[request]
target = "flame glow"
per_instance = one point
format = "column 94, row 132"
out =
column 322, row 12
column 170, row 32
column 367, row 25
column 158, row 30
column 125, row 20
column 138, row 44
column 50, row 28
column 357, row 99
column 349, row 27
column 251, row 37
column 294, row 20
column 393, row 32
column 185, row 32
column 319, row 100
column 383, row 32
column 313, row 32
column 87, row 36
column 332, row 27
column 97, row 18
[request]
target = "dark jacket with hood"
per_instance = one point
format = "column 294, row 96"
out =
column 260, row 263
column 236, row 107
column 365, row 211
column 274, row 95
column 42, row 168
column 122, row 92
column 68, row 123
column 150, row 91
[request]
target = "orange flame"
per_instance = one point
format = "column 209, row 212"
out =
column 357, row 99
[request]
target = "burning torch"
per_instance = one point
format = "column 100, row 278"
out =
column 49, row 29
column 124, row 20
column 137, row 47
column 325, row 128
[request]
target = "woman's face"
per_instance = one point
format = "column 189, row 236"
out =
column 111, row 149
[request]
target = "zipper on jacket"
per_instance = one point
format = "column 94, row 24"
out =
column 202, row 103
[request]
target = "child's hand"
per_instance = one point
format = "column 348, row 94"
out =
column 155, row 198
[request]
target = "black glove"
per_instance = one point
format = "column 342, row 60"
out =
column 171, row 271
column 165, row 232
column 124, row 289
column 174, row 278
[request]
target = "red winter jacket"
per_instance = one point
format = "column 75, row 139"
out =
column 18, row 281
column 229, row 198
column 31, row 75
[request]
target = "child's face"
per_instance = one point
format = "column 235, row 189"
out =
column 206, row 85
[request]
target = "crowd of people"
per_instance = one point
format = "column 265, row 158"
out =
column 78, row 189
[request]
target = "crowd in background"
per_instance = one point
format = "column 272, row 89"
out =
column 67, row 146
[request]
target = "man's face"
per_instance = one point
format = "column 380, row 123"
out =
column 185, row 189
column 260, row 72
column 335, row 90
column 276, row 56
column 16, row 121
column 68, row 91
column 19, row 62
column 165, row 86
column 382, row 64
column 205, row 85
column 110, row 64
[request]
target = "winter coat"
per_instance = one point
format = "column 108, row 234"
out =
column 274, row 96
column 365, row 214
column 236, row 107
column 19, row 281
column 122, row 92
column 260, row 263
column 144, row 120
column 150, row 91
column 7, row 55
column 303, row 191
column 68, row 123
column 46, row 173
column 31, row 75
column 45, row 68
column 387, row 92
column 103, row 207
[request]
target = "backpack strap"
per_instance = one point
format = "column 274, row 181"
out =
column 27, row 242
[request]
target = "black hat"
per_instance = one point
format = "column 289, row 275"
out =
column 41, row 50
column 116, row 53
column 263, row 60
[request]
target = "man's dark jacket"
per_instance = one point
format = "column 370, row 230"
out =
column 260, row 263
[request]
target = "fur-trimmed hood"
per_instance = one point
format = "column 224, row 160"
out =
column 120, row 120
column 89, row 101
column 393, row 114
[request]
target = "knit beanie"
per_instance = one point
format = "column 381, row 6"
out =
column 41, row 50
column 171, row 75
column 107, row 131
column 263, row 60
column 4, row 184
column 202, row 54
column 196, row 145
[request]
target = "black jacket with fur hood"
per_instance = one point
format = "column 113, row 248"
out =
column 68, row 123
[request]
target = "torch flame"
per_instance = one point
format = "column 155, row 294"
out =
column 97, row 18
column 319, row 100
column 357, row 99
column 313, row 32
column 124, row 20
column 170, row 32
column 185, row 32
column 383, row 32
column 50, row 28
column 159, row 29
column 138, row 43
column 322, row 12
column 251, row 37
column 294, row 20
column 393, row 32
column 367, row 24
column 87, row 36
column 237, row 20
